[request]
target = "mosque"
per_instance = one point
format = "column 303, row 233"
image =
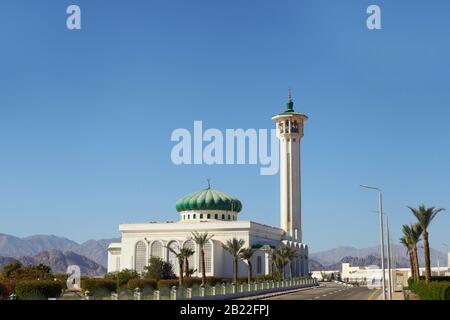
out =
column 217, row 213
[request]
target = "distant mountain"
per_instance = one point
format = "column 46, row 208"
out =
column 316, row 266
column 95, row 250
column 332, row 259
column 59, row 261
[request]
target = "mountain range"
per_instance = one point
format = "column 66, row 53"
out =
column 333, row 258
column 59, row 261
column 15, row 247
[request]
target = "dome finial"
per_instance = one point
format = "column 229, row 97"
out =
column 209, row 183
column 290, row 103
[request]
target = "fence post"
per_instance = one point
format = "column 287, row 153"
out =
column 157, row 295
column 202, row 290
column 213, row 290
column 87, row 295
column 249, row 286
column 233, row 288
column 224, row 289
column 189, row 293
column 137, row 294
column 173, row 293
column 241, row 287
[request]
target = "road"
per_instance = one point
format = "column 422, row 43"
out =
column 331, row 291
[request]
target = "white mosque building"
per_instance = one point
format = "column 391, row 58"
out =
column 216, row 212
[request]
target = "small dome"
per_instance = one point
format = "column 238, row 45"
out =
column 208, row 199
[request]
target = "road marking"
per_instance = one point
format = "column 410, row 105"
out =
column 373, row 294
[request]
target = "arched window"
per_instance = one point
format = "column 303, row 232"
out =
column 258, row 264
column 302, row 267
column 190, row 245
column 140, row 256
column 172, row 258
column 208, row 258
column 156, row 249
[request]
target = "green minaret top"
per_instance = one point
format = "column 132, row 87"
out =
column 290, row 103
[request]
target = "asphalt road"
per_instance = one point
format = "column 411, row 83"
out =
column 331, row 291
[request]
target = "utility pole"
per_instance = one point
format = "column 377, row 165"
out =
column 380, row 204
column 389, row 259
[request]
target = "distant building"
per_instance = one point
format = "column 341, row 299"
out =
column 372, row 275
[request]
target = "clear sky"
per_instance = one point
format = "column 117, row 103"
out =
column 86, row 116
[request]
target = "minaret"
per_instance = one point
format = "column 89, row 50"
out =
column 290, row 132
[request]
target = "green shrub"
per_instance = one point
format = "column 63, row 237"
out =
column 262, row 278
column 189, row 282
column 122, row 277
column 168, row 283
column 38, row 289
column 243, row 279
column 142, row 284
column 212, row 281
column 438, row 290
column 16, row 271
column 158, row 269
column 98, row 287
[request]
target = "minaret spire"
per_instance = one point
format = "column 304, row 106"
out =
column 290, row 103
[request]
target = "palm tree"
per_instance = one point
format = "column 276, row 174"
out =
column 201, row 239
column 273, row 260
column 247, row 254
column 180, row 257
column 234, row 248
column 280, row 255
column 187, row 253
column 405, row 242
column 424, row 216
column 290, row 254
column 412, row 234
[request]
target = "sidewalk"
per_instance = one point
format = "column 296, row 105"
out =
column 395, row 296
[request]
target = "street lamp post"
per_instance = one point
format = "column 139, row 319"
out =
column 389, row 259
column 380, row 204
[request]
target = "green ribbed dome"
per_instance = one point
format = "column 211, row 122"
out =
column 208, row 199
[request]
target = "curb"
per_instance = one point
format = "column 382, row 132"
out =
column 275, row 294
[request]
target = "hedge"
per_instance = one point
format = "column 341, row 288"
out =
column 142, row 284
column 38, row 289
column 212, row 281
column 437, row 290
column 97, row 286
column 189, row 282
column 167, row 283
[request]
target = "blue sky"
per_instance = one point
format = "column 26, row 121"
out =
column 86, row 116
